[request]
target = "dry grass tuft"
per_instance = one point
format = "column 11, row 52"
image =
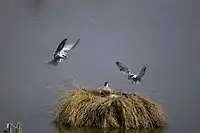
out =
column 94, row 108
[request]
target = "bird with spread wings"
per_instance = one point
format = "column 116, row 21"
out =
column 61, row 52
column 136, row 78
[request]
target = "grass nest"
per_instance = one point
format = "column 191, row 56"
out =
column 103, row 109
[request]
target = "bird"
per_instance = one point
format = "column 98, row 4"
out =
column 136, row 78
column 105, row 87
column 7, row 128
column 61, row 52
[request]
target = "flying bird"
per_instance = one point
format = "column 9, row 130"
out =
column 136, row 78
column 61, row 52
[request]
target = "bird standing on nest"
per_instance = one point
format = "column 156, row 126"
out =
column 105, row 87
column 62, row 51
column 136, row 78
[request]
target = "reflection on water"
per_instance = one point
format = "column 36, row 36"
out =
column 63, row 129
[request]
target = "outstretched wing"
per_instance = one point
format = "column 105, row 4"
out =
column 142, row 71
column 60, row 46
column 77, row 41
column 69, row 47
column 123, row 68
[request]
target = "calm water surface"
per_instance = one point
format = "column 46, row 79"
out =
column 162, row 34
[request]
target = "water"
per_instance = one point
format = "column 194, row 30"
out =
column 162, row 34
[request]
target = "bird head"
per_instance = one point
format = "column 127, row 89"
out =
column 106, row 84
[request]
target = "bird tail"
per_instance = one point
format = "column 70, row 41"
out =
column 142, row 71
column 53, row 62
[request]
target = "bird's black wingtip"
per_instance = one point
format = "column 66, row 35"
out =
column 77, row 41
column 145, row 66
column 65, row 39
column 119, row 63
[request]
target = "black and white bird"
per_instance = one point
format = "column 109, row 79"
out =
column 136, row 78
column 61, row 52
column 105, row 87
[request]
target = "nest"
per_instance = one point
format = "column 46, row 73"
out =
column 64, row 129
column 104, row 109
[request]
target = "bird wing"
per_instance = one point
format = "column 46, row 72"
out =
column 69, row 47
column 123, row 69
column 142, row 71
column 60, row 46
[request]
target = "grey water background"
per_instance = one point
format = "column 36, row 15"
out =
column 162, row 34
